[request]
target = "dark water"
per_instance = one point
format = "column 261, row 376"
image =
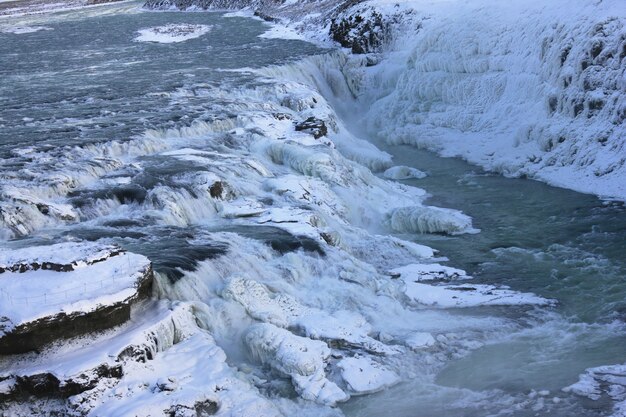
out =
column 86, row 80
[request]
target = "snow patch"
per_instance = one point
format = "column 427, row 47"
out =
column 172, row 33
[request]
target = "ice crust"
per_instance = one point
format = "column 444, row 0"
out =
column 403, row 173
column 608, row 381
column 300, row 358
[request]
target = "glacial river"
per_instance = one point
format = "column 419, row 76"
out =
column 87, row 114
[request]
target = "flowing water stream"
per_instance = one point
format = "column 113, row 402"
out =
column 90, row 121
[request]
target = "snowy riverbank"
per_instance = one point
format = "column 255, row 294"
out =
column 522, row 89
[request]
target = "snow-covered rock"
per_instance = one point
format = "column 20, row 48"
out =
column 66, row 289
column 428, row 272
column 403, row 173
column 300, row 358
column 172, row 33
column 450, row 296
column 364, row 376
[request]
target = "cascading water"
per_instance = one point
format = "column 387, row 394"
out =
column 307, row 272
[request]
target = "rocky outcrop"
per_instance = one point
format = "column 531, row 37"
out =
column 361, row 33
column 313, row 126
column 71, row 290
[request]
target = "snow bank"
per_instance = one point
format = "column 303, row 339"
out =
column 172, row 33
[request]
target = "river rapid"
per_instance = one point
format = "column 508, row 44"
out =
column 108, row 136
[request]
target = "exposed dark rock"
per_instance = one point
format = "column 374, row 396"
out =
column 265, row 17
column 361, row 35
column 201, row 409
column 217, row 189
column 313, row 126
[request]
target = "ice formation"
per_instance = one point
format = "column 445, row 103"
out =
column 172, row 33
column 291, row 270
column 607, row 381
column 364, row 376
column 300, row 358
column 403, row 173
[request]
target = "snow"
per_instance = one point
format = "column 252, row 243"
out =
column 172, row 33
column 451, row 296
column 75, row 254
column 603, row 381
column 364, row 376
column 428, row 272
column 403, row 173
column 300, row 358
column 282, row 32
column 36, row 294
column 420, row 340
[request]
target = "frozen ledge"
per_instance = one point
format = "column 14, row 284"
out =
column 67, row 289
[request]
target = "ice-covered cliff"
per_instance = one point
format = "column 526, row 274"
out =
column 522, row 88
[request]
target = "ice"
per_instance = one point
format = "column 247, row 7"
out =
column 451, row 296
column 520, row 88
column 403, row 173
column 300, row 358
column 428, row 272
column 364, row 376
column 345, row 327
column 172, row 33
column 420, row 340
column 423, row 219
column 603, row 381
